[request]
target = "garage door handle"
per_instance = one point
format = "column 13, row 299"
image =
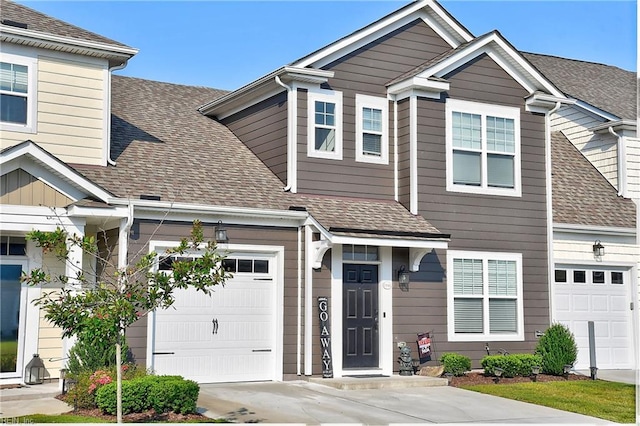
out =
column 215, row 326
column 164, row 353
column 261, row 350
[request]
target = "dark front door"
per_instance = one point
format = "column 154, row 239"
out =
column 360, row 311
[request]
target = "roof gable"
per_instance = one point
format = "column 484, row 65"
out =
column 34, row 160
column 491, row 44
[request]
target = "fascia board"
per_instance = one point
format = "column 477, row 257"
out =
column 390, row 242
column 615, row 125
column 100, row 212
column 419, row 83
column 55, row 165
column 261, row 89
column 454, row 35
column 483, row 45
column 597, row 111
column 590, row 229
column 56, row 42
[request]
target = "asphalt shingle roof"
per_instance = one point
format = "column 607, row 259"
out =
column 37, row 21
column 164, row 147
column 581, row 195
column 605, row 87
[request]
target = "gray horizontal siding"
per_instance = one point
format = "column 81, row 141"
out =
column 365, row 71
column 477, row 222
column 254, row 235
column 263, row 128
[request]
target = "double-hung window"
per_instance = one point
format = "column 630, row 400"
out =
column 484, row 294
column 17, row 93
column 483, row 148
column 324, row 124
column 372, row 129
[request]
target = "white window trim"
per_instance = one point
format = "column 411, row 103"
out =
column 482, row 337
column 456, row 105
column 32, row 71
column 365, row 101
column 321, row 95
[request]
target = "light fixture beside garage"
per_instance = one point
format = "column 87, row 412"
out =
column 221, row 233
column 598, row 249
column 403, row 278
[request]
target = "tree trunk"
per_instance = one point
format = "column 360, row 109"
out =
column 119, row 381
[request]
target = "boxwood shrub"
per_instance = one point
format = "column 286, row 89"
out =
column 558, row 348
column 455, row 364
column 162, row 393
column 512, row 365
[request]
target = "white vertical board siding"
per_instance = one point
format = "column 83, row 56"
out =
column 71, row 104
column 601, row 150
column 633, row 168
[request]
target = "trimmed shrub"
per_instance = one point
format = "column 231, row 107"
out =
column 162, row 393
column 512, row 365
column 455, row 364
column 557, row 348
column 83, row 393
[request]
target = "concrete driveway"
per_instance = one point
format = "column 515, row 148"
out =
column 312, row 403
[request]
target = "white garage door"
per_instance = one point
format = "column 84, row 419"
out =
column 228, row 336
column 601, row 295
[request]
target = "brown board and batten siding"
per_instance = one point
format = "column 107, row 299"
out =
column 478, row 222
column 365, row 71
column 18, row 187
column 144, row 230
column 263, row 128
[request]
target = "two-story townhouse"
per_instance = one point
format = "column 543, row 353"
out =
column 596, row 204
column 409, row 145
column 55, row 82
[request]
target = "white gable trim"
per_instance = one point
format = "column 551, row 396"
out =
column 36, row 161
column 427, row 10
column 504, row 55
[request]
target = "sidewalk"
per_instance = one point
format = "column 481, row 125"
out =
column 33, row 399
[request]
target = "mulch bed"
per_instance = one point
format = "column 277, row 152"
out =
column 478, row 378
column 144, row 417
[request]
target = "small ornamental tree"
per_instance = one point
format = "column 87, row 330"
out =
column 128, row 294
column 558, row 348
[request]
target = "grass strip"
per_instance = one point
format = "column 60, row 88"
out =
column 606, row 400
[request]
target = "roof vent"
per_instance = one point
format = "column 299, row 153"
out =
column 150, row 197
column 298, row 208
column 16, row 24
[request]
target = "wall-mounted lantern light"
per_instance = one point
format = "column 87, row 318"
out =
column 403, row 278
column 221, row 233
column 598, row 249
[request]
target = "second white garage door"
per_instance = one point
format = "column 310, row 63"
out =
column 228, row 336
column 601, row 295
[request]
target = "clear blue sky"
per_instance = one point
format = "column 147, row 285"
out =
column 226, row 44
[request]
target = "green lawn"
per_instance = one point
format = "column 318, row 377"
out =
column 606, row 400
column 70, row 418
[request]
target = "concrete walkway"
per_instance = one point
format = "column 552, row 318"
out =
column 359, row 401
column 622, row 376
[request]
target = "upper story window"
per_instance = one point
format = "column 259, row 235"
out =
column 484, row 294
column 324, row 124
column 372, row 129
column 483, row 148
column 17, row 93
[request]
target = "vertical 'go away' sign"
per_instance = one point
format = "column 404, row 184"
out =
column 325, row 337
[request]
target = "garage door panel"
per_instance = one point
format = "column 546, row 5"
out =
column 619, row 304
column 580, row 303
column 599, row 303
column 620, row 329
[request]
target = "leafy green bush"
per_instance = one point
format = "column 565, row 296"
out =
column 177, row 395
column 512, row 365
column 162, row 393
column 558, row 348
column 455, row 364
column 93, row 349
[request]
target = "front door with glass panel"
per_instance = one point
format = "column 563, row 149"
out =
column 12, row 314
column 360, row 316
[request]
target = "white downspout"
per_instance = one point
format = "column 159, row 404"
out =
column 292, row 157
column 549, row 200
column 622, row 163
column 395, row 147
column 299, row 323
column 108, row 114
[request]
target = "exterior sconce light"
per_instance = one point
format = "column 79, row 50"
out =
column 34, row 371
column 566, row 369
column 535, row 370
column 221, row 233
column 403, row 279
column 497, row 371
column 598, row 249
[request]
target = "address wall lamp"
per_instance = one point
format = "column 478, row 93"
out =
column 598, row 249
column 221, row 233
column 403, row 278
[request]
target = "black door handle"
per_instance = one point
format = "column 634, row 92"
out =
column 215, row 326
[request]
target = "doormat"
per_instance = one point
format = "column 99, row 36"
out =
column 367, row 376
